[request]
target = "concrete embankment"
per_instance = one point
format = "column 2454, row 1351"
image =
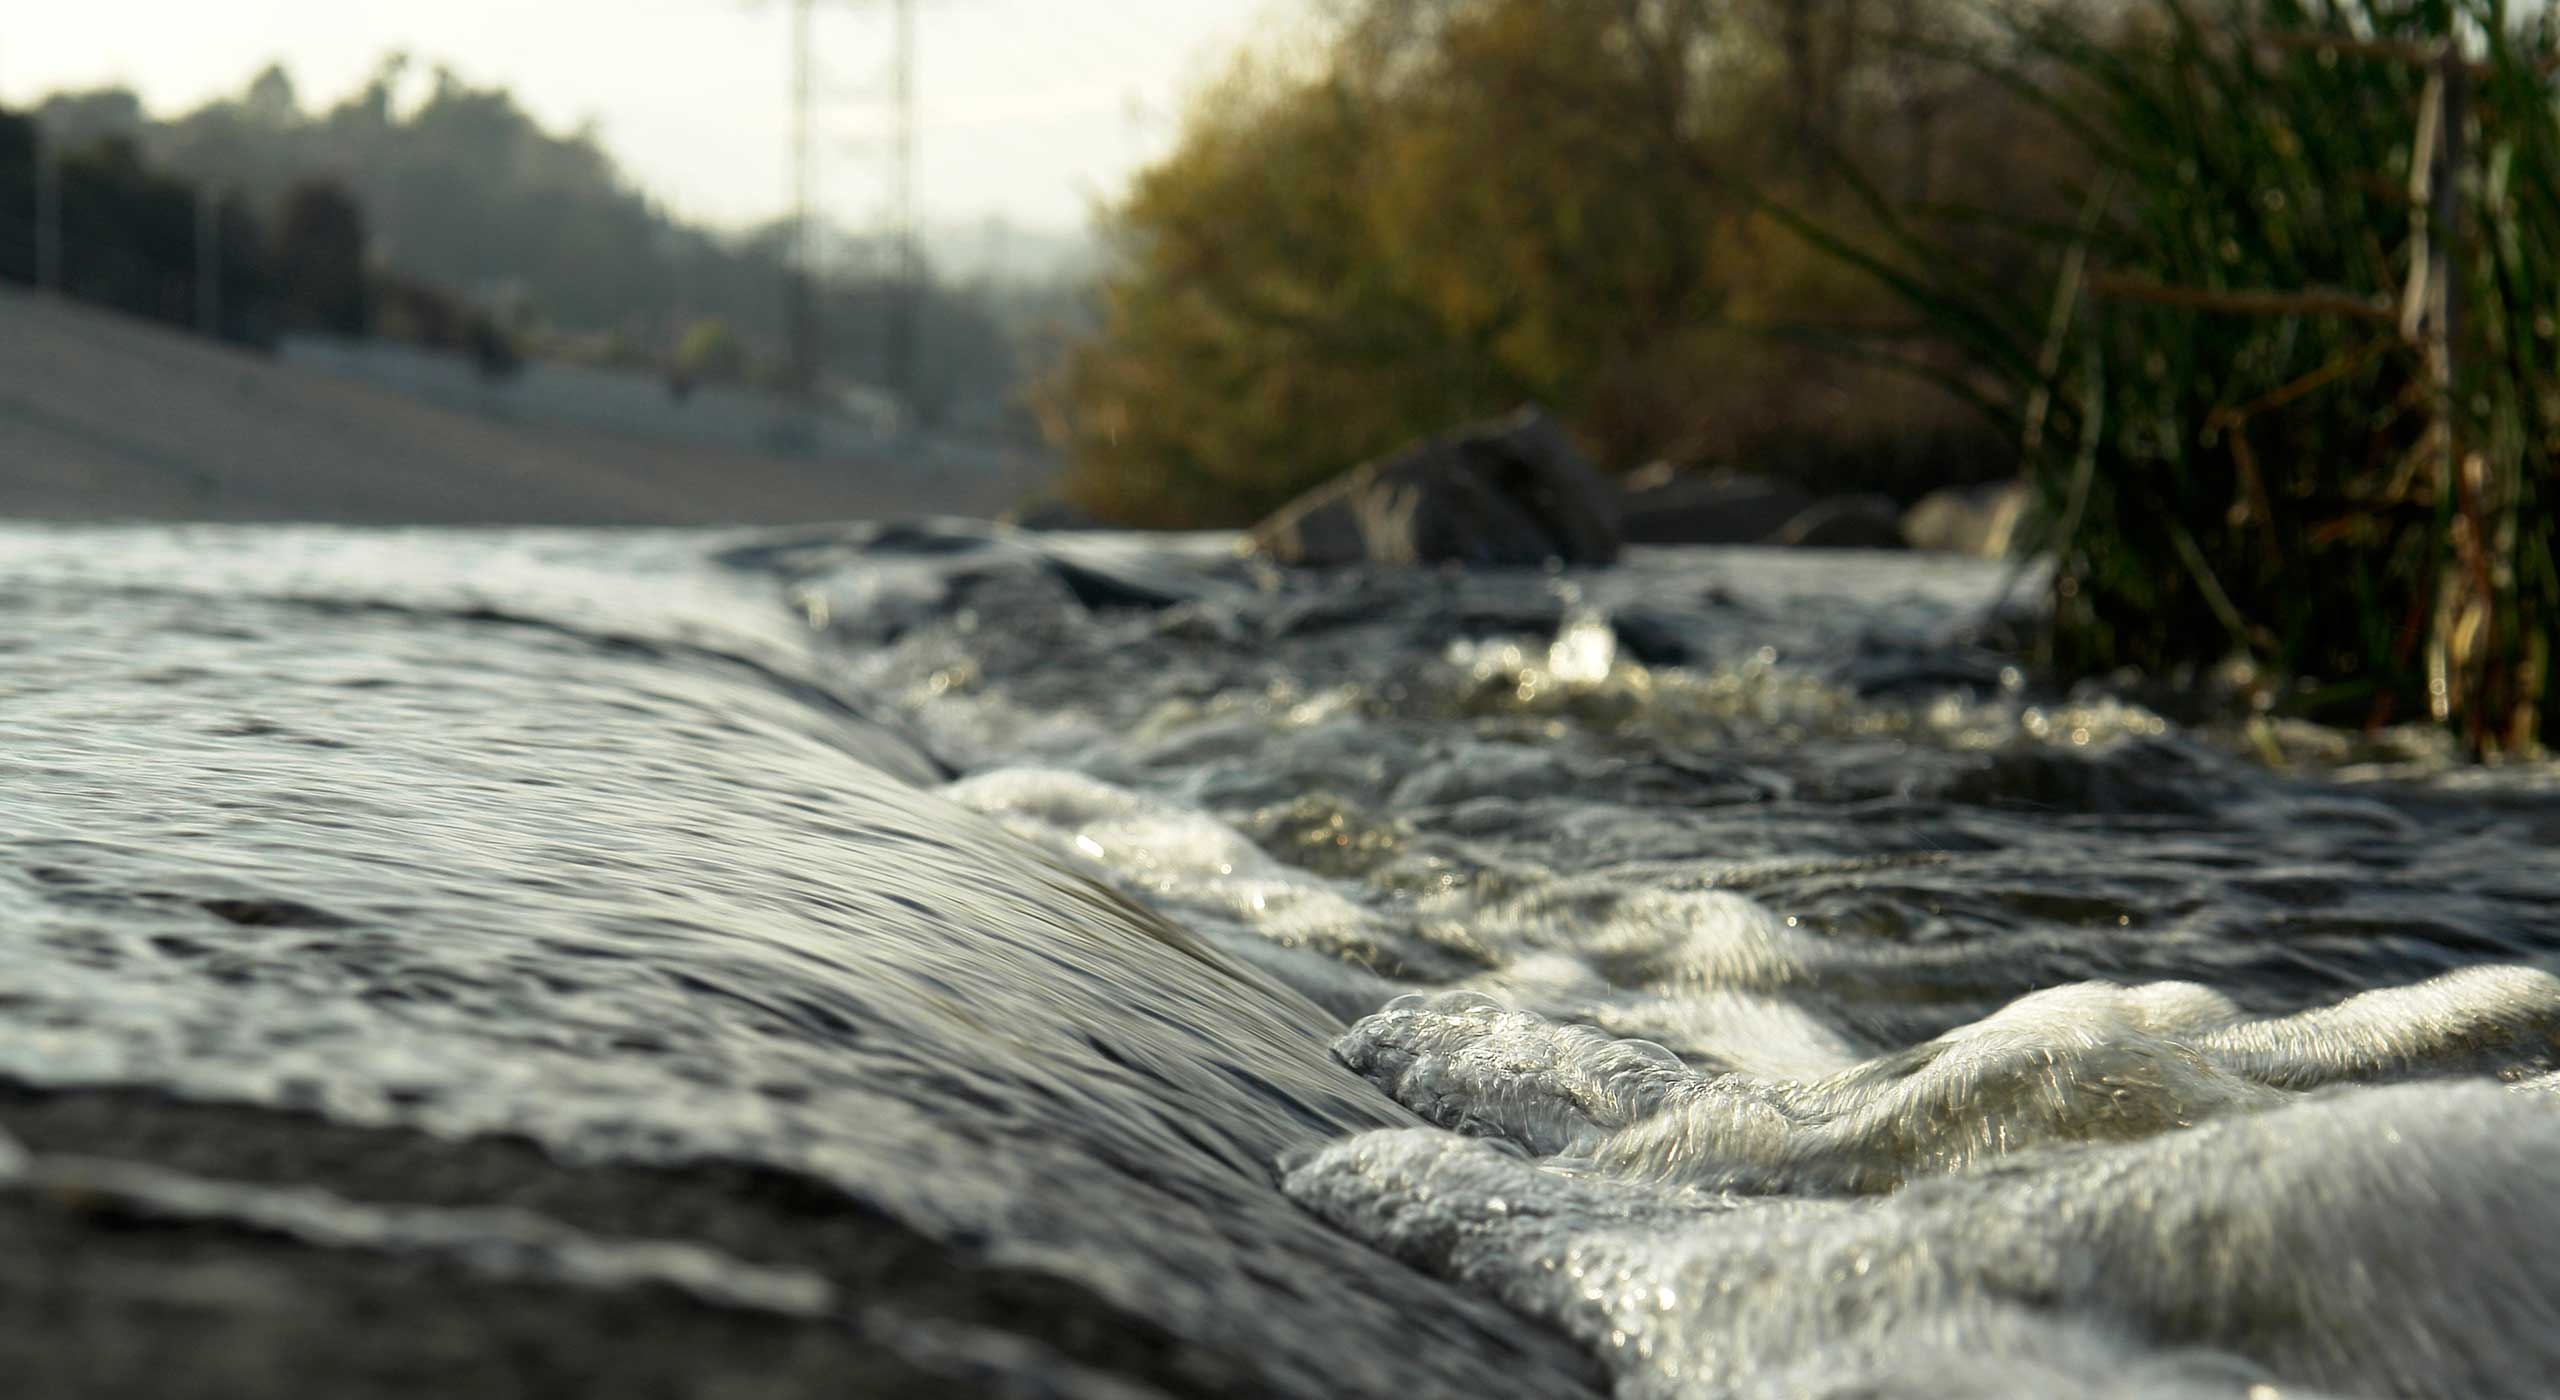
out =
column 103, row 417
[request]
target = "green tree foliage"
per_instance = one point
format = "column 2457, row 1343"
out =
column 1457, row 205
column 461, row 188
column 710, row 353
column 17, row 197
column 320, row 252
column 129, row 234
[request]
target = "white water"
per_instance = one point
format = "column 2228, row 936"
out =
column 1800, row 1003
column 1712, row 1142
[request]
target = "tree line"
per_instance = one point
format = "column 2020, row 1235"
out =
column 1448, row 207
column 537, row 234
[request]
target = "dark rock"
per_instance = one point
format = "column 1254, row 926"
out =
column 1051, row 513
column 1844, row 522
column 1101, row 587
column 1728, row 507
column 1717, row 508
column 2138, row 777
column 1655, row 637
column 1514, row 492
column 1886, row 668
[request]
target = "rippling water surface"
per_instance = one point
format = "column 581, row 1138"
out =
column 1715, row 966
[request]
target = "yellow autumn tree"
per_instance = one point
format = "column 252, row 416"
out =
column 1459, row 205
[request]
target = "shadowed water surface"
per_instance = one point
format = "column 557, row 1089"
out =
column 1802, row 1002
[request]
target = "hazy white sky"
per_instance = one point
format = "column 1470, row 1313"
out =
column 1029, row 109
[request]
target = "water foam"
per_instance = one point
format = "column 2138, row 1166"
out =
column 2096, row 1190
column 2388, row 1241
column 1818, row 1008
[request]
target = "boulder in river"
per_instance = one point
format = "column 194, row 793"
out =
column 1844, row 522
column 1511, row 492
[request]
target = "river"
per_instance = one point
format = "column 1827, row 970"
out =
column 1097, row 966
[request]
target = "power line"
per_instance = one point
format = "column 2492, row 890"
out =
column 801, row 281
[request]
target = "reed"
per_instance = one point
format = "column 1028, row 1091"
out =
column 2294, row 398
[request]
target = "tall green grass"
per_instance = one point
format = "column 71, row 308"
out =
column 2242, row 444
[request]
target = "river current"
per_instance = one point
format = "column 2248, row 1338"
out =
column 1718, row 975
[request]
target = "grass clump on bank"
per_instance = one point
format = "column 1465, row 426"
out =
column 2262, row 293
column 2296, row 398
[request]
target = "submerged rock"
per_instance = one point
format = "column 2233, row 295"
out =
column 1052, row 513
column 1515, row 492
column 1845, row 522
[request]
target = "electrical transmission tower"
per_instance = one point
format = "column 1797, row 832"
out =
column 801, row 286
column 899, row 334
column 800, row 271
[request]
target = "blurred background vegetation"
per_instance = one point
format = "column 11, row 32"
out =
column 1444, row 208
column 436, row 211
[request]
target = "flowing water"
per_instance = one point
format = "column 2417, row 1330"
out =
column 1716, row 966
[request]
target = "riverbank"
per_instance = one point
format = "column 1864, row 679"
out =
column 107, row 418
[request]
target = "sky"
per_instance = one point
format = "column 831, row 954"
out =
column 1028, row 110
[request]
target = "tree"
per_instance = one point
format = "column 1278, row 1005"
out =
column 320, row 257
column 463, row 193
column 1462, row 204
column 271, row 101
column 710, row 353
column 17, row 197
